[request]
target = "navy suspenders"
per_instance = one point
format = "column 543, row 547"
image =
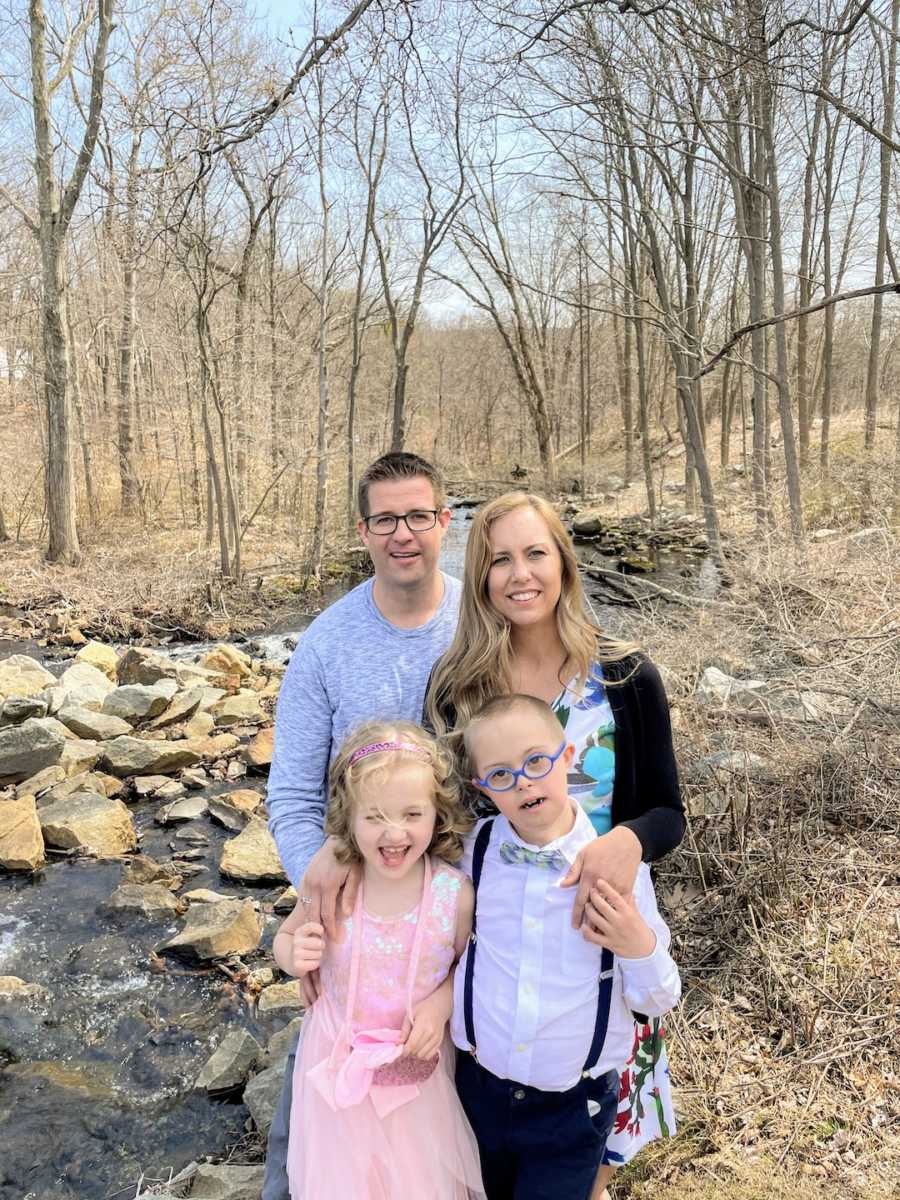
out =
column 604, row 990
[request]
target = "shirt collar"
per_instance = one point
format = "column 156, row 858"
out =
column 568, row 845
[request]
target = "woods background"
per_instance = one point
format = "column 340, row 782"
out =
column 235, row 266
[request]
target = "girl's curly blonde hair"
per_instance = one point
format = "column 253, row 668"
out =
column 344, row 782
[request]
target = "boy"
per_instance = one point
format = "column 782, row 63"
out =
column 544, row 1010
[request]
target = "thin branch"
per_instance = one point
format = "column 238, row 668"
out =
column 881, row 290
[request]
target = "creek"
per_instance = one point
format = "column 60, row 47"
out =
column 96, row 1077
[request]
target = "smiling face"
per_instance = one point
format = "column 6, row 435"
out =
column 539, row 810
column 525, row 574
column 394, row 818
column 404, row 559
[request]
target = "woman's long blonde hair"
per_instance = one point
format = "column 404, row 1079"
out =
column 478, row 664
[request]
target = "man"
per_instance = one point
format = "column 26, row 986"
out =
column 368, row 655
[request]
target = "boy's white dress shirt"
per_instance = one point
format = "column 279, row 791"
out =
column 535, row 984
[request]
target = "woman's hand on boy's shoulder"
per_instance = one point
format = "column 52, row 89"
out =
column 613, row 857
column 612, row 920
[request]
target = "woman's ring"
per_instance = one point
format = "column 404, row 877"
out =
column 306, row 899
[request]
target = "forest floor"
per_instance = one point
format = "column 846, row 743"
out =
column 784, row 899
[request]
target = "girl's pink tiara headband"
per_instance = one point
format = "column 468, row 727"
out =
column 380, row 747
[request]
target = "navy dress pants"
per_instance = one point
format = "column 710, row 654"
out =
column 536, row 1145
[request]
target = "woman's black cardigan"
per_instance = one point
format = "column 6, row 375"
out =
column 646, row 794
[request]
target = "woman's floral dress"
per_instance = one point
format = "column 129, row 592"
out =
column 645, row 1101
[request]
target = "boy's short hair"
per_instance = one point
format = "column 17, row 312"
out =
column 501, row 705
column 399, row 464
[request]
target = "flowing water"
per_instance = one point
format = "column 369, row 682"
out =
column 96, row 1077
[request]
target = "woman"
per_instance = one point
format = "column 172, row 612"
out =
column 523, row 627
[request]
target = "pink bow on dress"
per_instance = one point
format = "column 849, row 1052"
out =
column 345, row 1077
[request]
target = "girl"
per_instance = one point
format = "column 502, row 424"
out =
column 374, row 1114
column 523, row 627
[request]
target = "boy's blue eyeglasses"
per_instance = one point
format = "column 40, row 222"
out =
column 535, row 766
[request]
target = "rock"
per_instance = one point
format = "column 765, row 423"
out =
column 17, row 709
column 260, row 978
column 211, row 696
column 216, row 930
column 279, row 1044
column 259, row 752
column 87, row 821
column 134, row 756
column 200, row 724
column 134, row 702
column 227, row 1182
column 242, row 708
column 146, row 785
column 233, row 1060
column 183, row 706
column 28, row 748
column 589, row 522
column 12, row 987
column 79, row 756
column 287, row 901
column 85, row 782
column 776, row 702
column 252, row 856
column 715, row 687
column 37, row 784
column 150, row 900
column 191, row 674
column 106, row 958
column 171, row 790
column 227, row 660
column 212, row 747
column 280, row 997
column 143, row 869
column 94, row 725
column 138, row 665
column 84, row 685
column 261, row 1095
column 56, row 726
column 226, row 814
column 734, row 762
column 206, row 896
column 188, row 809
column 236, row 770
column 248, row 800
column 21, row 841
column 194, row 777
column 21, row 675
column 104, row 658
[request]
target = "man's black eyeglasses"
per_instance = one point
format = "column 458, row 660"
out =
column 420, row 520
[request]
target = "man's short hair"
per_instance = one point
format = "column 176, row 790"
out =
column 398, row 464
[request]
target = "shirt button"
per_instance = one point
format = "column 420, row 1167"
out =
column 521, row 1048
column 518, row 1094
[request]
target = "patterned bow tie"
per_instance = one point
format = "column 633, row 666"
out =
column 514, row 854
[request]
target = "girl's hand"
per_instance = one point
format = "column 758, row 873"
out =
column 306, row 949
column 423, row 1038
column 613, row 921
column 614, row 857
column 327, row 887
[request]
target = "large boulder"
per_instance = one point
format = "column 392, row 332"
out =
column 82, row 684
column 252, row 856
column 87, row 723
column 144, row 666
column 590, row 522
column 182, row 707
column 150, row 900
column 241, row 709
column 86, row 821
column 213, row 931
column 258, row 753
column 17, row 709
column 231, row 1063
column 28, row 748
column 227, row 1182
column 98, row 655
column 21, row 842
column 134, row 756
column 261, row 1095
column 21, row 675
column 134, row 702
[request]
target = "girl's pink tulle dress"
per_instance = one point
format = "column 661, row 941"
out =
column 356, row 1133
